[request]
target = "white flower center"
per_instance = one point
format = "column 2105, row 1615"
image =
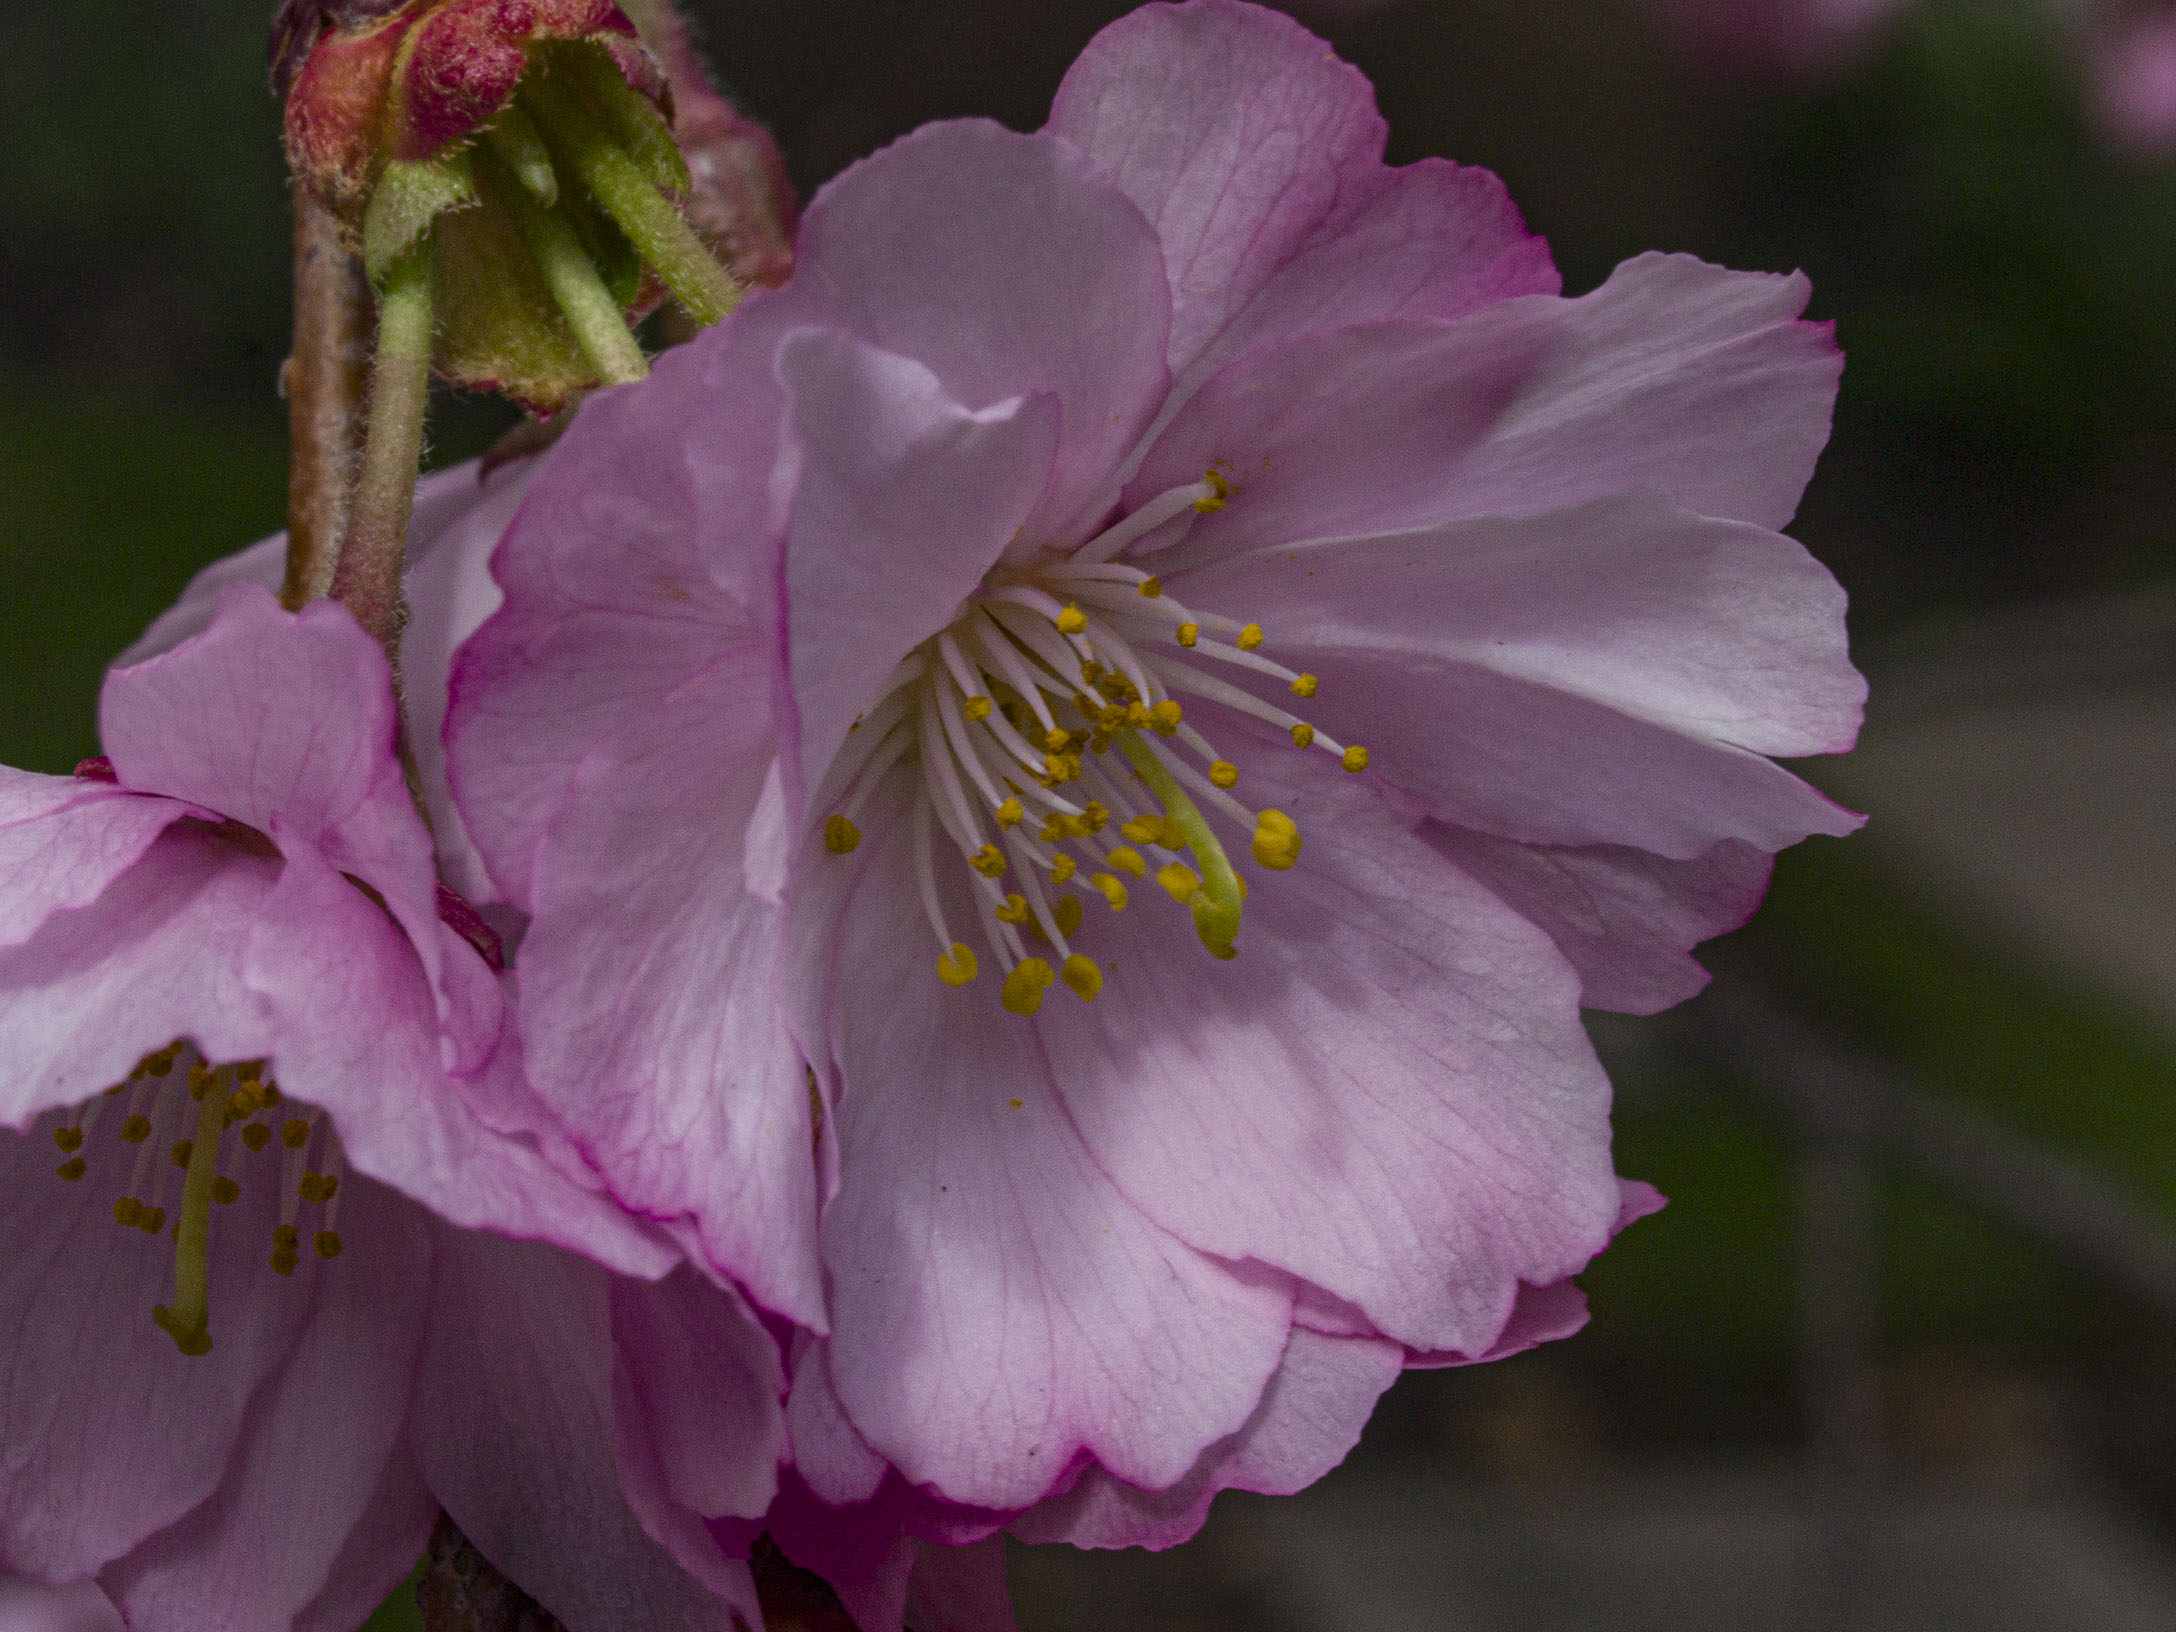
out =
column 1010, row 715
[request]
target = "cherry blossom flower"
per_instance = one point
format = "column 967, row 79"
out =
column 1130, row 703
column 266, row 1096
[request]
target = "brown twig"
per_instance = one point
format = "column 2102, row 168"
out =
column 325, row 379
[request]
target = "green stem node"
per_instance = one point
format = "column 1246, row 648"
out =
column 629, row 196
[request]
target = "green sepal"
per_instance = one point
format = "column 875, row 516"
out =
column 499, row 329
column 409, row 196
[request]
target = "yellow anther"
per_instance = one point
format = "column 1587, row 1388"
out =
column 1111, row 889
column 1056, row 740
column 989, row 861
column 1224, row 774
column 1066, row 915
column 1180, row 880
column 294, row 1133
column 1305, row 686
column 1063, row 868
column 1276, row 840
column 977, row 709
column 1188, row 633
column 1013, row 910
column 1356, row 759
column 841, row 837
column 200, row 1081
column 1128, row 860
column 1083, row 976
column 1151, row 587
column 1025, row 986
column 1303, row 735
column 72, row 1169
column 70, row 1140
column 1011, row 813
column 284, row 1241
column 1249, row 637
column 1165, row 717
column 1144, row 829
column 182, row 1151
column 1220, row 492
column 127, row 1211
column 327, row 1243
column 136, row 1129
column 256, row 1136
column 958, row 966
column 1094, row 817
column 1071, row 621
column 225, row 1191
column 1091, row 672
column 316, row 1187
column 1137, row 716
column 151, row 1220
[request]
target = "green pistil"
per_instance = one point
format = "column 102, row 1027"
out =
column 585, row 302
column 629, row 195
column 1216, row 905
column 187, row 1318
column 521, row 149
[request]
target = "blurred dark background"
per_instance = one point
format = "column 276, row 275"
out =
column 1999, row 498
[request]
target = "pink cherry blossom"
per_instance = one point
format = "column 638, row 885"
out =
column 1440, row 633
column 234, row 996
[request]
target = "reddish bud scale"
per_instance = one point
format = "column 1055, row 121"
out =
column 407, row 85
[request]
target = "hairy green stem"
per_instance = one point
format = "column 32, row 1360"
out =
column 628, row 195
column 367, row 579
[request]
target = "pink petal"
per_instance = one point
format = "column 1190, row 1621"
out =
column 30, row 1606
column 648, row 997
column 1257, row 157
column 515, row 1429
column 315, row 1445
column 905, row 500
column 354, row 1030
column 960, row 1589
column 1050, row 283
column 110, row 1434
column 703, row 1383
column 1605, row 675
column 829, row 1454
column 998, row 1308
column 1695, row 381
column 63, row 840
column 1308, row 1422
column 156, row 957
column 381, row 1549
column 1626, row 919
column 1388, row 1093
column 609, row 605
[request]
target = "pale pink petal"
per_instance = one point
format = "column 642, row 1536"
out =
column 1355, row 431
column 314, row 1447
column 515, row 1425
column 829, row 1454
column 354, row 1031
column 1696, row 381
column 1309, row 1420
column 107, row 1431
column 1002, row 263
column 1257, row 156
column 960, row 1589
column 609, row 605
column 1625, row 918
column 998, row 1308
column 1387, row 1093
column 1611, row 674
column 31, row 1606
column 647, row 990
column 156, row 957
column 702, row 1382
column 905, row 500
column 63, row 840
column 395, row 1526
column 458, row 523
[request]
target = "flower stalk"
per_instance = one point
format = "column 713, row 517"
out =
column 325, row 380
column 367, row 577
